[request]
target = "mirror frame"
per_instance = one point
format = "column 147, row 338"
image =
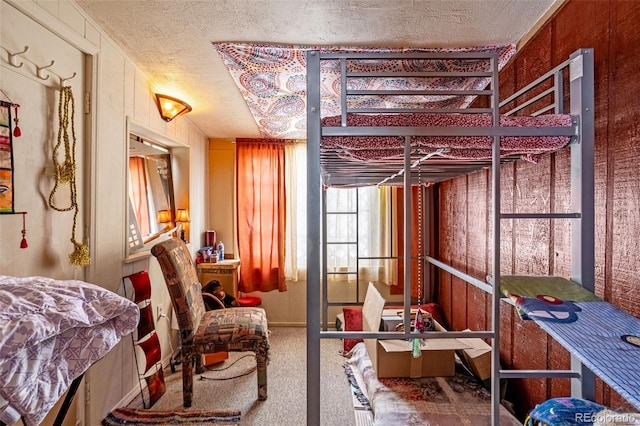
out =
column 137, row 129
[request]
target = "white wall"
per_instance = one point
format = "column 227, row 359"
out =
column 118, row 91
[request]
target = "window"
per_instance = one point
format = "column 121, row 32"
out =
column 365, row 233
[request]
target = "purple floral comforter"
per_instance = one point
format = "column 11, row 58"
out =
column 51, row 331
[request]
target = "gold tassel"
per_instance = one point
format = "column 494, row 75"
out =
column 80, row 255
column 65, row 173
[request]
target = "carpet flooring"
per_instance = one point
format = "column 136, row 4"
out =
column 232, row 385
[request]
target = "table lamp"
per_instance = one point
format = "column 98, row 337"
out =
column 182, row 217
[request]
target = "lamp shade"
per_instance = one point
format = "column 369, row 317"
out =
column 182, row 215
column 164, row 216
column 171, row 107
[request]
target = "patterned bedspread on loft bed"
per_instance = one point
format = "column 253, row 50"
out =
column 51, row 332
column 446, row 133
column 379, row 148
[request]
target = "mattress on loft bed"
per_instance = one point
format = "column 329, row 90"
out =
column 380, row 148
column 603, row 337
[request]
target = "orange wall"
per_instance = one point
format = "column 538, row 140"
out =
column 221, row 212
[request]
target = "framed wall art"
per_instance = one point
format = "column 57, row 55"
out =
column 6, row 159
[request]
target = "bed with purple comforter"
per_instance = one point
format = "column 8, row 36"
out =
column 52, row 331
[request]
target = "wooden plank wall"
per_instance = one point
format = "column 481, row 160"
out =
column 540, row 246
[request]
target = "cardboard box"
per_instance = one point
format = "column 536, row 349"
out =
column 393, row 358
column 477, row 357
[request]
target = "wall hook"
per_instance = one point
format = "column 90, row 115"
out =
column 39, row 70
column 12, row 56
column 62, row 80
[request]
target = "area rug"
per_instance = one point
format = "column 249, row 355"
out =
column 137, row 416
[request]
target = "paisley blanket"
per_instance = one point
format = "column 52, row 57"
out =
column 390, row 148
column 273, row 80
column 51, row 331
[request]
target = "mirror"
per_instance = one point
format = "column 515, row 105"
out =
column 150, row 191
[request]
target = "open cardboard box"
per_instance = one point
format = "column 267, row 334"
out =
column 477, row 357
column 393, row 358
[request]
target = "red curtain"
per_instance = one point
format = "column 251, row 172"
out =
column 261, row 201
column 138, row 193
column 415, row 236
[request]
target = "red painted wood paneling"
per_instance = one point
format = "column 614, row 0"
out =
column 542, row 247
column 559, row 359
column 445, row 249
column 560, row 201
column 477, row 260
column 459, row 240
column 624, row 114
column 532, row 236
column 529, row 351
column 588, row 24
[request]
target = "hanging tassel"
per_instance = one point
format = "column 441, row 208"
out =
column 16, row 130
column 65, row 173
column 23, row 243
column 80, row 255
column 418, row 327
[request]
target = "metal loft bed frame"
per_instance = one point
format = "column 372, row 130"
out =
column 579, row 70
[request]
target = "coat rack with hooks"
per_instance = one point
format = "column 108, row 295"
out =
column 13, row 55
column 40, row 70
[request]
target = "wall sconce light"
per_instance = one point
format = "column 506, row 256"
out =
column 182, row 217
column 171, row 107
column 164, row 216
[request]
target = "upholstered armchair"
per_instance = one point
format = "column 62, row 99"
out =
column 201, row 332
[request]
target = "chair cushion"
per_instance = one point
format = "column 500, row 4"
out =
column 232, row 328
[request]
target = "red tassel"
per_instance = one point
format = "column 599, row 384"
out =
column 23, row 243
column 16, row 130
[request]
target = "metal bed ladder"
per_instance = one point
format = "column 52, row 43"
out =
column 582, row 216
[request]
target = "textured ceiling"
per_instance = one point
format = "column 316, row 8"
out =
column 171, row 40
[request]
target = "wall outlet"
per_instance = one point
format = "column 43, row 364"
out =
column 160, row 313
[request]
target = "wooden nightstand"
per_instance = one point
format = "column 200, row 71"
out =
column 226, row 271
